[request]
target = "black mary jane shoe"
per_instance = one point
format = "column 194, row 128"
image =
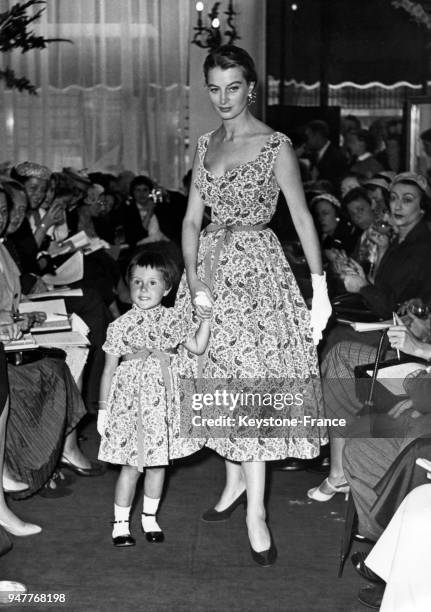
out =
column 267, row 557
column 213, row 515
column 97, row 469
column 122, row 541
column 154, row 537
column 358, row 560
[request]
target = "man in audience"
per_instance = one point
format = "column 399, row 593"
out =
column 328, row 161
column 361, row 146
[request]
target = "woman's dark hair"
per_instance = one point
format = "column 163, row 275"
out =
column 140, row 180
column 158, row 261
column 230, row 56
column 357, row 193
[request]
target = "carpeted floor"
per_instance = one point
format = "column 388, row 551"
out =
column 201, row 567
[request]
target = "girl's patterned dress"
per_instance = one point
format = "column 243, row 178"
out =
column 261, row 324
column 145, row 388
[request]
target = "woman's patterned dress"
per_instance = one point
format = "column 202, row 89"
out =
column 261, row 325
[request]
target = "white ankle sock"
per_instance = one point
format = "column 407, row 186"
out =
column 121, row 513
column 150, row 506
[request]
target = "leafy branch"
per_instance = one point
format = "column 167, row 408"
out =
column 15, row 34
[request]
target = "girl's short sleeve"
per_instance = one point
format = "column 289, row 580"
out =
column 114, row 344
column 179, row 327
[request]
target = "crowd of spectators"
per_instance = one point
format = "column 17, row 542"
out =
column 373, row 219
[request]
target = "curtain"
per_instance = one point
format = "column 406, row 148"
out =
column 114, row 99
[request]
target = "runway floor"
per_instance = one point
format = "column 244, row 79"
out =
column 201, row 567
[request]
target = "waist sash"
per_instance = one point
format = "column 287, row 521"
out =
column 164, row 358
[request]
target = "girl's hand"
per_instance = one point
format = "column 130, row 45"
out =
column 197, row 286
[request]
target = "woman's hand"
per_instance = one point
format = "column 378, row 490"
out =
column 402, row 339
column 197, row 286
column 9, row 332
column 54, row 215
column 56, row 248
column 400, row 408
column 354, row 282
column 39, row 286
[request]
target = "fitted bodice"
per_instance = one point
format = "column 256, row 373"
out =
column 246, row 194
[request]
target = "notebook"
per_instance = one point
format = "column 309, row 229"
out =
column 56, row 315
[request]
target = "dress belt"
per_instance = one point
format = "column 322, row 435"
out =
column 226, row 231
column 225, row 237
column 164, row 358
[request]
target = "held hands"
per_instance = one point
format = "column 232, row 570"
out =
column 202, row 299
column 321, row 308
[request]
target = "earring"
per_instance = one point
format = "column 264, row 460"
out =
column 251, row 98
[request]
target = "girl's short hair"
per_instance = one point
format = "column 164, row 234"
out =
column 158, row 261
column 230, row 56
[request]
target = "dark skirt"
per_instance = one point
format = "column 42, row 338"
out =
column 45, row 405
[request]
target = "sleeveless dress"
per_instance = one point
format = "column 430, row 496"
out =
column 261, row 324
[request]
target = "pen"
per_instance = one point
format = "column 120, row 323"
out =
column 394, row 318
column 61, row 314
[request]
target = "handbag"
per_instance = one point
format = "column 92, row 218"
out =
column 351, row 306
column 375, row 396
column 18, row 358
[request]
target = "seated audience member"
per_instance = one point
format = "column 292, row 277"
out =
column 137, row 214
column 405, row 269
column 334, row 232
column 359, row 210
column 8, row 519
column 366, row 459
column 348, row 182
column 378, row 189
column 328, row 161
column 361, row 145
column 21, row 250
column 394, row 153
column 45, row 402
column 401, row 558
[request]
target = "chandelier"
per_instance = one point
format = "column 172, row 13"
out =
column 210, row 36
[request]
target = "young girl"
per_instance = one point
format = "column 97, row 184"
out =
column 136, row 395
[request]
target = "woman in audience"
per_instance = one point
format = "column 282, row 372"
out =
column 348, row 182
column 8, row 519
column 341, row 401
column 379, row 194
column 401, row 558
column 90, row 307
column 45, row 403
column 137, row 215
column 333, row 230
column 405, row 270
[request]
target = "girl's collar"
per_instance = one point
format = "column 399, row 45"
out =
column 150, row 311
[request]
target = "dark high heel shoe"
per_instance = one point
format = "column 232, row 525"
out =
column 212, row 515
column 155, row 537
column 265, row 557
column 96, row 468
column 122, row 541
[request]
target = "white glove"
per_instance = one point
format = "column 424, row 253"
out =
column 202, row 299
column 321, row 308
column 101, row 421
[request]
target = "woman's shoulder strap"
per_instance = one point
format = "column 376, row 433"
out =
column 279, row 138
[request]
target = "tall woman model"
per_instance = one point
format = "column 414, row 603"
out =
column 261, row 327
